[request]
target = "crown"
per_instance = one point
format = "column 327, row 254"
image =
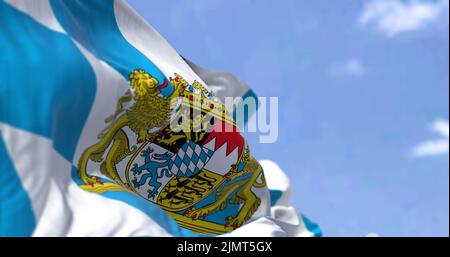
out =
column 199, row 97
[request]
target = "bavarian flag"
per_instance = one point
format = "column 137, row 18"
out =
column 102, row 133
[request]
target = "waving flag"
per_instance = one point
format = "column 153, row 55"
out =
column 89, row 93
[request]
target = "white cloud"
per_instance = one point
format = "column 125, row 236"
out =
column 392, row 17
column 439, row 146
column 351, row 67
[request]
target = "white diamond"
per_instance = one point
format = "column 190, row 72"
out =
column 191, row 166
column 200, row 164
column 174, row 169
column 189, row 152
column 198, row 150
column 181, row 153
column 183, row 167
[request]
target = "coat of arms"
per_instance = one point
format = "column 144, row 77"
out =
column 174, row 144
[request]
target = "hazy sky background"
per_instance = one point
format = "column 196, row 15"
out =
column 363, row 89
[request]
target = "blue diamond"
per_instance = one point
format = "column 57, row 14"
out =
column 186, row 160
column 178, row 161
column 194, row 158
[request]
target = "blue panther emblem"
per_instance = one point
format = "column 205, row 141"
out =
column 151, row 167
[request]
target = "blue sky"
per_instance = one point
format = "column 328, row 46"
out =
column 363, row 91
